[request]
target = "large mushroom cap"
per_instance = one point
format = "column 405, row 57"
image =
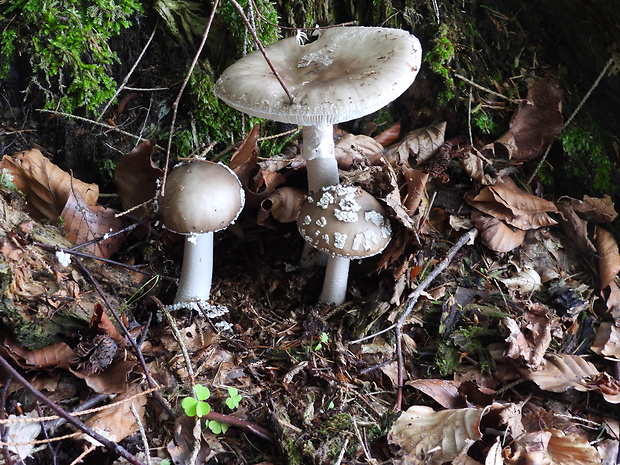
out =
column 344, row 222
column 201, row 196
column 347, row 73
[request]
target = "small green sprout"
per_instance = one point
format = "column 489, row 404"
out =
column 323, row 339
column 196, row 406
column 217, row 428
column 234, row 398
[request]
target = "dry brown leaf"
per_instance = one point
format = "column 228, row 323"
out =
column 416, row 182
column 281, row 205
column 607, row 340
column 506, row 201
column 83, row 223
column 46, row 187
column 576, row 229
column 389, row 136
column 353, row 150
column 563, row 372
column 495, row 234
column 594, row 209
column 535, row 124
column 418, row 146
column 244, row 159
column 112, row 380
column 136, row 177
column 529, row 341
column 446, row 433
column 571, row 449
column 444, row 392
column 118, row 421
column 101, row 321
column 58, row 355
column 608, row 255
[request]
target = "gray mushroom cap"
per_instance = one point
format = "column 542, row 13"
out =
column 347, row 73
column 201, row 196
column 344, row 221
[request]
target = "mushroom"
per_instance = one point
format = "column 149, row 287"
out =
column 345, row 222
column 201, row 198
column 347, row 73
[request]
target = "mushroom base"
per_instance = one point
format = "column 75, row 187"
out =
column 335, row 282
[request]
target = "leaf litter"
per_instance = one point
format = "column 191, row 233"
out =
column 497, row 357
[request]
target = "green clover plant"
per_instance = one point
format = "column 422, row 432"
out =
column 198, row 407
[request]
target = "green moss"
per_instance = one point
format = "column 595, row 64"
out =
column 66, row 42
column 586, row 158
column 439, row 59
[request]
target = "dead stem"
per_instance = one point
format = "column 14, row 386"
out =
column 110, row 445
column 262, row 50
column 175, row 105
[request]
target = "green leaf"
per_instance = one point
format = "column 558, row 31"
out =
column 217, row 428
column 202, row 409
column 202, row 392
column 189, row 406
column 234, row 398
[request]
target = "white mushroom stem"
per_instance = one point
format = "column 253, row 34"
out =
column 318, row 151
column 197, row 271
column 335, row 283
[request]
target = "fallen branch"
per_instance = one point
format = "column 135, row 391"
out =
column 110, row 445
column 411, row 301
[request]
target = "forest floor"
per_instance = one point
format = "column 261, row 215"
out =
column 485, row 333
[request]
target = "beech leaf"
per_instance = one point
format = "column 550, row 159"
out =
column 419, row 145
column 535, row 124
column 429, row 437
column 351, row 150
column 608, row 257
column 136, row 176
column 83, row 223
column 46, row 187
column 495, row 234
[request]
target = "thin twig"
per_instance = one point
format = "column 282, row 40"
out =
column 484, row 89
column 97, row 123
column 145, row 442
column 572, row 116
column 413, row 299
column 127, row 335
column 110, row 445
column 262, row 50
column 188, row 75
column 129, row 74
column 221, row 417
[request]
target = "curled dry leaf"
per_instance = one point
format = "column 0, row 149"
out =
column 83, row 223
column 389, row 136
column 571, row 449
column 535, row 124
column 444, row 392
column 118, row 421
column 496, row 234
column 46, row 187
column 101, row 321
column 244, row 159
column 595, row 209
column 428, row 437
column 416, row 183
column 507, row 202
column 136, row 177
column 529, row 341
column 608, row 257
column 58, row 355
column 418, row 146
column 281, row 205
column 562, row 372
column 352, row 150
column 607, row 340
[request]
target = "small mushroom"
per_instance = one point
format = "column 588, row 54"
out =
column 347, row 73
column 345, row 222
column 201, row 198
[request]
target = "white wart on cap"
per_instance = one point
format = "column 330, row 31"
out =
column 344, row 221
column 347, row 73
